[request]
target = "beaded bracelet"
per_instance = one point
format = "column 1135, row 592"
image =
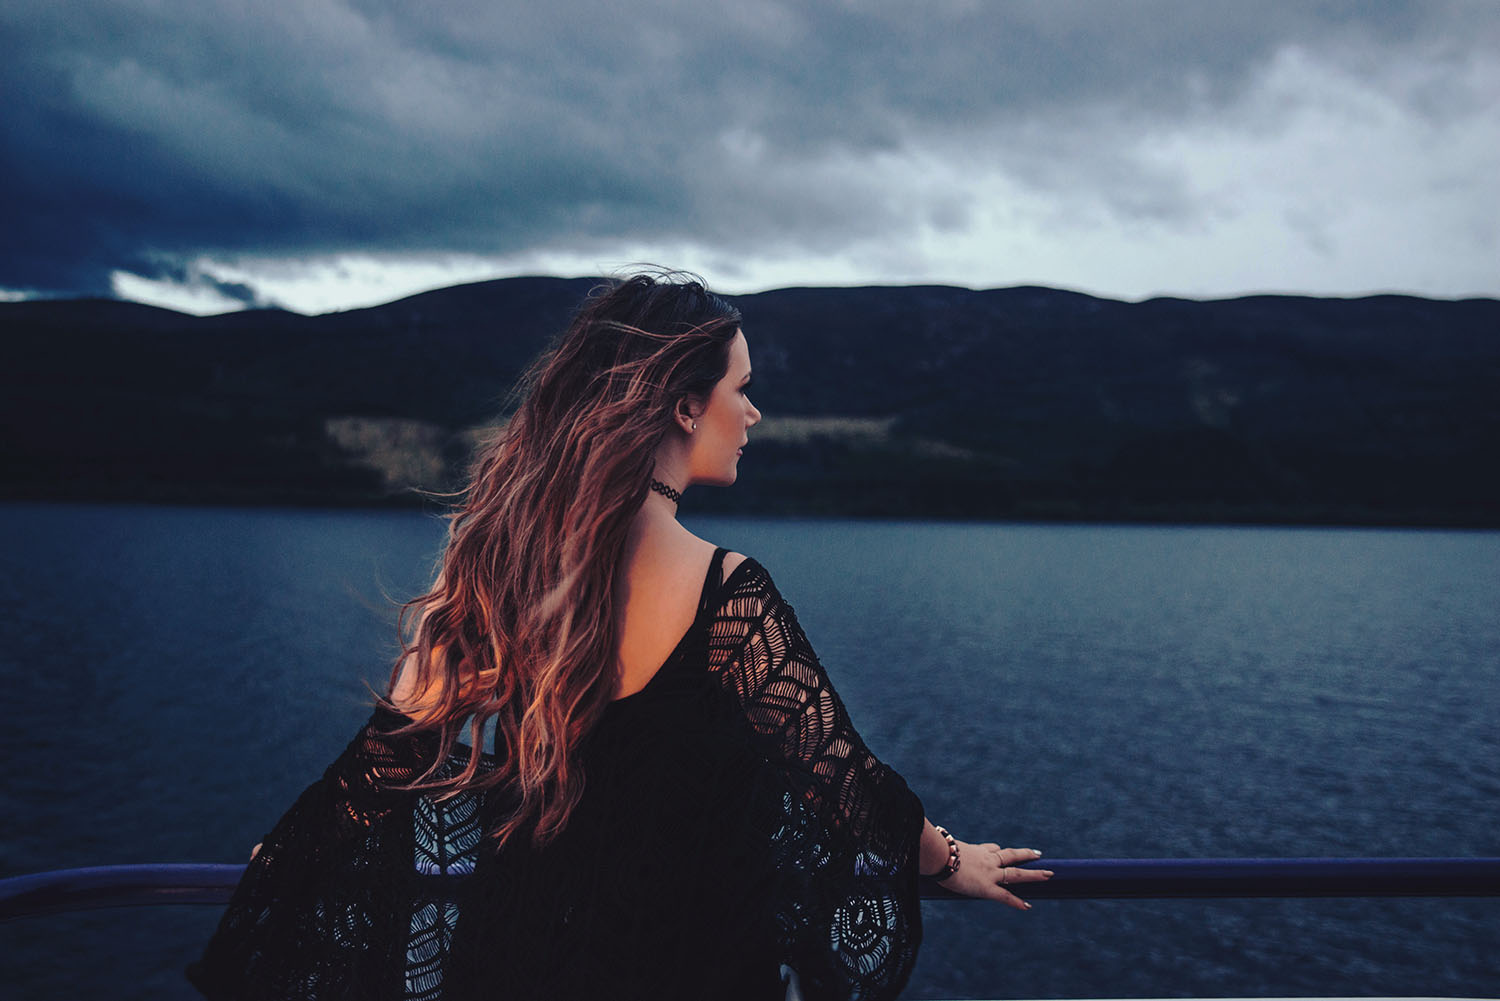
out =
column 952, row 865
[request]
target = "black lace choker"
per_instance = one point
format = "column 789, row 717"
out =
column 675, row 496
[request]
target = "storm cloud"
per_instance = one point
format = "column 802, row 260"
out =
column 218, row 143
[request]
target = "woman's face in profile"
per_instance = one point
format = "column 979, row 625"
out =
column 725, row 419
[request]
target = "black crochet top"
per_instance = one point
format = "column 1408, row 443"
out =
column 732, row 821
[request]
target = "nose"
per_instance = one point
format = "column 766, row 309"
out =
column 754, row 416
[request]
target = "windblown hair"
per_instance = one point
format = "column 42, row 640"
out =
column 520, row 627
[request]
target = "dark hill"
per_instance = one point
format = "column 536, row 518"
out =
column 923, row 401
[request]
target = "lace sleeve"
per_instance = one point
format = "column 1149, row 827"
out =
column 332, row 907
column 847, row 841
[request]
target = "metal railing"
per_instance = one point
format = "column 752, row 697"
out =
column 1074, row 879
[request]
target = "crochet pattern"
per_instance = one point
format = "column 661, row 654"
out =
column 732, row 821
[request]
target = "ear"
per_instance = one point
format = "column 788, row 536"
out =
column 687, row 412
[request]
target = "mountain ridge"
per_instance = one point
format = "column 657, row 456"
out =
column 1020, row 402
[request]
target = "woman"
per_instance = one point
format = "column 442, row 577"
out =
column 676, row 804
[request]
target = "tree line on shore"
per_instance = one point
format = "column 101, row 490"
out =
column 926, row 401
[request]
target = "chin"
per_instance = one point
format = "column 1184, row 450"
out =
column 722, row 476
column 724, row 479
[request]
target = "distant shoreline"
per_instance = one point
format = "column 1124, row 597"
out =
column 927, row 402
column 701, row 506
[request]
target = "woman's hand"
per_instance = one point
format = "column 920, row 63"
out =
column 990, row 872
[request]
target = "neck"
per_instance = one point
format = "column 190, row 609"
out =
column 666, row 490
column 660, row 503
column 656, row 504
column 656, row 519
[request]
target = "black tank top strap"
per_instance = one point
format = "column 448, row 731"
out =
column 712, row 581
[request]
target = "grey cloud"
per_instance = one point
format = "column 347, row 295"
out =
column 143, row 132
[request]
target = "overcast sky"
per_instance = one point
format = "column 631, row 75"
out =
column 322, row 154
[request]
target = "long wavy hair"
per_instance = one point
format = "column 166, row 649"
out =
column 520, row 626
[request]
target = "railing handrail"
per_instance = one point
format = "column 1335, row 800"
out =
column 1117, row 879
column 1074, row 879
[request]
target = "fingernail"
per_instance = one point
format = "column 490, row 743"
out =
column 1048, row 872
column 1028, row 905
column 1035, row 852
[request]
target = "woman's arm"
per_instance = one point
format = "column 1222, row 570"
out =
column 983, row 870
column 933, row 850
column 848, row 826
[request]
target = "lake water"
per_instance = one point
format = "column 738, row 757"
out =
column 177, row 675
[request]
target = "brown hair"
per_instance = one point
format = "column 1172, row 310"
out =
column 520, row 626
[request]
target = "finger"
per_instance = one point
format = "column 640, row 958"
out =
column 1009, row 899
column 254, row 851
column 1015, row 856
column 1011, row 875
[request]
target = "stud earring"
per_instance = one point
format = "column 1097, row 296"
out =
column 695, row 426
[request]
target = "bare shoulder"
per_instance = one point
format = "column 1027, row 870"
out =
column 731, row 561
column 657, row 591
column 706, row 550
